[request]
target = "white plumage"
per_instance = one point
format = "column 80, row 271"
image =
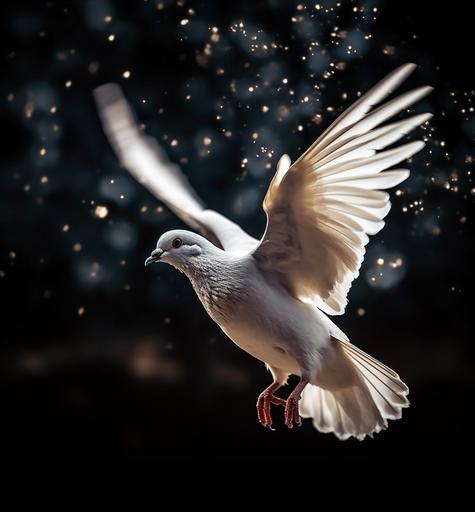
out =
column 270, row 296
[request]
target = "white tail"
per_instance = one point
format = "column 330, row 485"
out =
column 361, row 409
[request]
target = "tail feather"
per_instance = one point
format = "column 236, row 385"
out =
column 385, row 386
column 362, row 408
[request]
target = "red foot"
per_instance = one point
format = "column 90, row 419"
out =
column 263, row 405
column 292, row 405
column 292, row 412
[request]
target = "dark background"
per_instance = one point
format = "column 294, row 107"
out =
column 104, row 360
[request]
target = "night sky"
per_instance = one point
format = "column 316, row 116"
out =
column 103, row 359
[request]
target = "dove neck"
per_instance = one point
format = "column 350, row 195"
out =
column 208, row 265
column 218, row 282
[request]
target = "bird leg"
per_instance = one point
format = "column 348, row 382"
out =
column 292, row 405
column 263, row 404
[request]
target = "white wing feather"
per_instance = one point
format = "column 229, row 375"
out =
column 148, row 163
column 321, row 209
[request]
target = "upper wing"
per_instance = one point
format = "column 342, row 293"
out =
column 321, row 209
column 148, row 163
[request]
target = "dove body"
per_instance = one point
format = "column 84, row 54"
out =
column 252, row 308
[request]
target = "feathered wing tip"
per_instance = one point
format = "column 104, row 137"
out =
column 378, row 395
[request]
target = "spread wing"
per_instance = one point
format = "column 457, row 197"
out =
column 321, row 209
column 148, row 163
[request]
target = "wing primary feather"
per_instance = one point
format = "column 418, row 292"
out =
column 359, row 108
column 374, row 140
column 372, row 165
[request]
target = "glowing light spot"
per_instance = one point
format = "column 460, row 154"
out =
column 101, row 212
column 95, row 267
column 126, row 74
column 184, row 22
column 29, row 109
column 396, row 263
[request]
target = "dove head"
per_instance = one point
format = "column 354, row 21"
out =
column 182, row 249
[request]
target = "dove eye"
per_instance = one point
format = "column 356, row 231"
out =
column 177, row 243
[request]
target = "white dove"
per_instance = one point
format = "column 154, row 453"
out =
column 271, row 296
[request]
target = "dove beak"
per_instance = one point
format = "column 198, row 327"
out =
column 155, row 256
